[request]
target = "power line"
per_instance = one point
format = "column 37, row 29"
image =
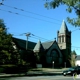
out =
column 34, row 36
column 31, row 17
column 75, row 30
column 28, row 16
column 75, row 46
column 30, row 12
column 40, row 37
column 37, row 37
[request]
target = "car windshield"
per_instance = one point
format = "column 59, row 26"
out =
column 71, row 68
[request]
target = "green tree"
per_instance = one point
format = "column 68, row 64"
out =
column 4, row 42
column 72, row 5
column 6, row 48
column 73, row 57
column 74, row 52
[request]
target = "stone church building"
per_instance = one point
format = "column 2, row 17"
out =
column 51, row 53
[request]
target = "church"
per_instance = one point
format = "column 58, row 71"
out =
column 54, row 53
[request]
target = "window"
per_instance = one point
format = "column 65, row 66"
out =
column 59, row 39
column 62, row 38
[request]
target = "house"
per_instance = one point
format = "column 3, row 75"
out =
column 77, row 62
column 51, row 53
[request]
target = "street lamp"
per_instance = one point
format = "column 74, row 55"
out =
column 53, row 64
column 65, row 64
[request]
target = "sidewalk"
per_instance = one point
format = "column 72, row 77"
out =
column 45, row 71
column 36, row 72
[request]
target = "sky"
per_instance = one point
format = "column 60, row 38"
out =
column 30, row 16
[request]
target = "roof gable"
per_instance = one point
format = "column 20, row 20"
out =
column 55, row 46
column 47, row 45
column 38, row 47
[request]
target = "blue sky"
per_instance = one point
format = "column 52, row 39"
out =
column 36, row 19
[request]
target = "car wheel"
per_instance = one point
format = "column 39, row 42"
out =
column 64, row 74
column 72, row 74
column 75, row 74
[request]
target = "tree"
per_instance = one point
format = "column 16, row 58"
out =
column 73, row 57
column 72, row 5
column 73, row 52
column 6, row 48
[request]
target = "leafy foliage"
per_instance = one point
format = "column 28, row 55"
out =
column 73, row 57
column 72, row 5
column 73, row 52
column 7, row 51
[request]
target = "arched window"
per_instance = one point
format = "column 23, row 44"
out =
column 55, row 55
column 62, row 38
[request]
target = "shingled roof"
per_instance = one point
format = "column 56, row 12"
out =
column 47, row 45
column 32, row 45
column 63, row 27
column 78, row 57
column 22, row 43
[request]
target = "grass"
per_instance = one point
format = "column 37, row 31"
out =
column 7, row 65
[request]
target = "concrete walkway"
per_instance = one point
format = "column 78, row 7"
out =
column 45, row 71
column 36, row 72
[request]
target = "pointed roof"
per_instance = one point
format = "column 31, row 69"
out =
column 63, row 27
column 38, row 47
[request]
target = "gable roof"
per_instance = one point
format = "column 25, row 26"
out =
column 47, row 45
column 32, row 45
column 63, row 27
column 38, row 47
column 78, row 57
column 22, row 43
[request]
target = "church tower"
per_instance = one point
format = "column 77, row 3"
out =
column 64, row 40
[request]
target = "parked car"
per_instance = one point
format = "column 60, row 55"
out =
column 71, row 71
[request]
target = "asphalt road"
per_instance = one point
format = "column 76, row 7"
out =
column 40, row 78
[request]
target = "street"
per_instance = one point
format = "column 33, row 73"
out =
column 57, row 77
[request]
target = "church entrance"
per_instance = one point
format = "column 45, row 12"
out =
column 55, row 58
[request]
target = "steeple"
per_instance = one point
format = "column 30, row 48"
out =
column 63, row 27
column 64, row 41
column 38, row 47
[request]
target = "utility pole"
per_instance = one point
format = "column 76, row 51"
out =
column 27, row 35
